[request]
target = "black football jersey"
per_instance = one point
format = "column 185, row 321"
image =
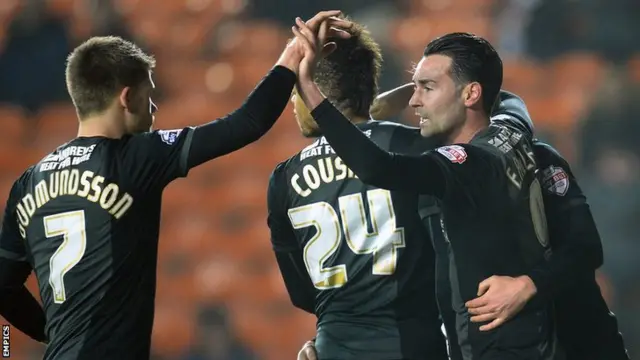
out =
column 492, row 219
column 86, row 217
column 364, row 251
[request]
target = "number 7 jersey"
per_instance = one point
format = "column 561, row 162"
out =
column 356, row 256
column 86, row 220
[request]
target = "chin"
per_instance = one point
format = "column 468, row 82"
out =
column 426, row 131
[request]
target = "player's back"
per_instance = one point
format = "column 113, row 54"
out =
column 91, row 223
column 367, row 254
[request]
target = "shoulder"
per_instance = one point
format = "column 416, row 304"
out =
column 279, row 172
column 392, row 127
column 162, row 137
column 461, row 153
column 547, row 155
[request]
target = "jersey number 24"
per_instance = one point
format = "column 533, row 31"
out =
column 382, row 242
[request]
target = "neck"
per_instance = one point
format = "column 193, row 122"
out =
column 473, row 125
column 104, row 125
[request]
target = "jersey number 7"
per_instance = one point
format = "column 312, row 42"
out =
column 383, row 241
column 71, row 226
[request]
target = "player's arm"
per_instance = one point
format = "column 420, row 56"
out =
column 391, row 103
column 17, row 305
column 422, row 174
column 576, row 243
column 157, row 158
column 288, row 253
column 427, row 173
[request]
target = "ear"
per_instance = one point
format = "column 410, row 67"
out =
column 125, row 97
column 472, row 95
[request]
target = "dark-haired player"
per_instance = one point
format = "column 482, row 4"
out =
column 86, row 217
column 493, row 214
column 569, row 276
column 356, row 256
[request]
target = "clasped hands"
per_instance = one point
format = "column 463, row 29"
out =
column 312, row 41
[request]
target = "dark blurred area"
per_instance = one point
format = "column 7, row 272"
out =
column 220, row 297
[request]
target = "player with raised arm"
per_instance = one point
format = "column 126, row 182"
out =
column 493, row 214
column 568, row 276
column 86, row 218
column 354, row 255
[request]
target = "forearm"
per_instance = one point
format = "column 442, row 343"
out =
column 372, row 164
column 248, row 123
column 391, row 103
column 23, row 311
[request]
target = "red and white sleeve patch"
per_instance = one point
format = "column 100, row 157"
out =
column 455, row 153
column 555, row 180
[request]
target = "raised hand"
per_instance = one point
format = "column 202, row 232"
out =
column 336, row 28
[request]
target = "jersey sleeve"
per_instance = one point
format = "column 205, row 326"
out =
column 289, row 255
column 429, row 173
column 154, row 159
column 17, row 305
column 12, row 245
column 282, row 236
column 575, row 241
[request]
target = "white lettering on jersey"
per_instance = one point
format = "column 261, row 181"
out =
column 71, row 155
column 321, row 147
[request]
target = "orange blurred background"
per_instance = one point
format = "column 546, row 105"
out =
column 220, row 296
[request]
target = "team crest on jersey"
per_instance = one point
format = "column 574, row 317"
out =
column 169, row 136
column 455, row 153
column 555, row 180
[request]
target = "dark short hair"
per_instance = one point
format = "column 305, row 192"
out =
column 100, row 67
column 349, row 76
column 473, row 59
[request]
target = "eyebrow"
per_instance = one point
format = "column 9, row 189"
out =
column 424, row 82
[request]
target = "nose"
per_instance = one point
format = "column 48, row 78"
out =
column 415, row 102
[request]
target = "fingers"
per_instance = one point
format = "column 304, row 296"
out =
column 307, row 352
column 334, row 33
column 340, row 23
column 485, row 317
column 492, row 325
column 322, row 33
column 328, row 49
column 481, row 310
column 484, row 286
column 306, row 32
column 314, row 22
column 477, row 302
column 303, row 41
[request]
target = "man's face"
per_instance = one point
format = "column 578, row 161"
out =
column 437, row 99
column 308, row 126
column 139, row 115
